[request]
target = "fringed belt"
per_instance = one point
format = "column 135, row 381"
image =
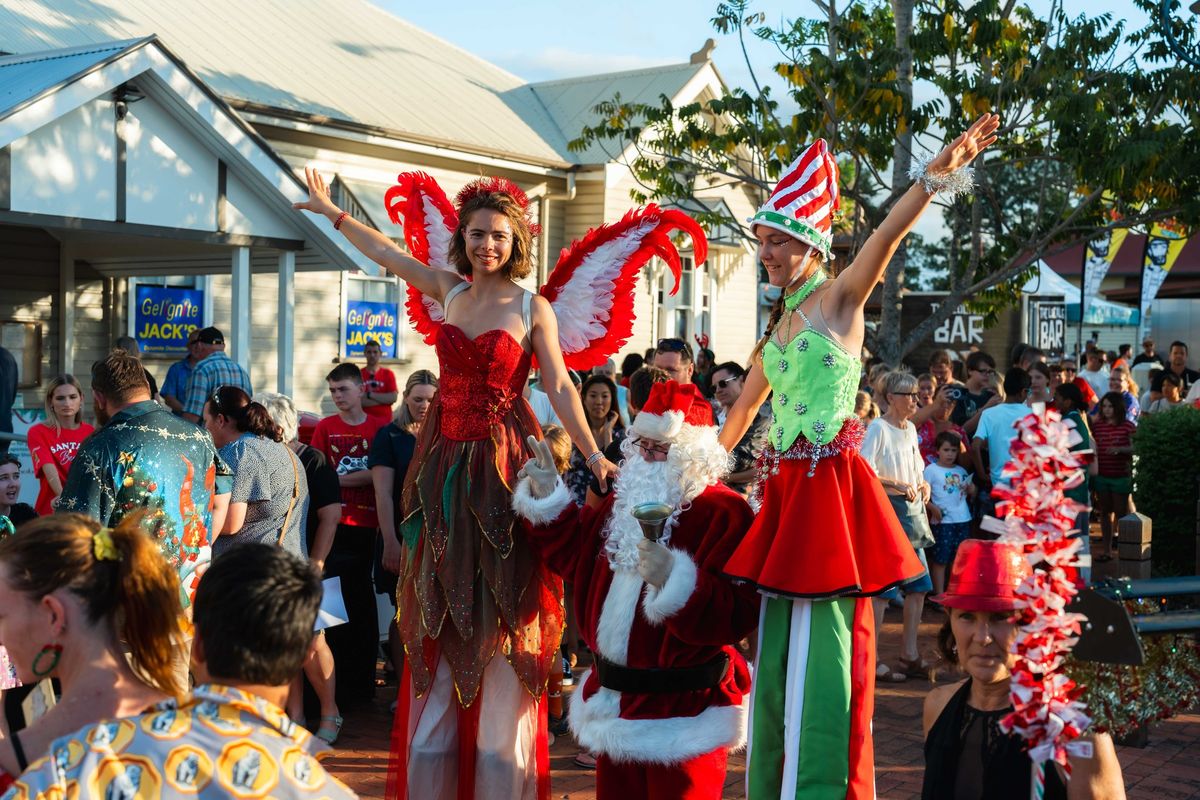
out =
column 850, row 437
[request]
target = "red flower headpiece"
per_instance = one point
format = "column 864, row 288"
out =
column 497, row 185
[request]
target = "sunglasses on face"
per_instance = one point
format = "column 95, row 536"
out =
column 672, row 345
column 985, row 370
column 724, row 382
column 904, row 394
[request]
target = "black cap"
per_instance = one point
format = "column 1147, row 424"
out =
column 210, row 336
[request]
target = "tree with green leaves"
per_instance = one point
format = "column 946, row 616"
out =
column 1099, row 130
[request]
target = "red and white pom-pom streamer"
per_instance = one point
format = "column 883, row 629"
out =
column 1047, row 711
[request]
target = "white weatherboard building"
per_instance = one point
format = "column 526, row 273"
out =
column 146, row 143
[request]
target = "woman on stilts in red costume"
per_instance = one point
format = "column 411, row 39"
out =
column 480, row 616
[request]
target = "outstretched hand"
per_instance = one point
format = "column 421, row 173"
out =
column 963, row 150
column 318, row 201
column 540, row 470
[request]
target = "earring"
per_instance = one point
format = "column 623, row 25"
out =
column 54, row 652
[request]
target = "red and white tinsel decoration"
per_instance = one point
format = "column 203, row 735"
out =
column 1047, row 711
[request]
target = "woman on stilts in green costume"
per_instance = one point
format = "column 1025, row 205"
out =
column 825, row 539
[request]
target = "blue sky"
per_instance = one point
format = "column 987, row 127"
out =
column 545, row 39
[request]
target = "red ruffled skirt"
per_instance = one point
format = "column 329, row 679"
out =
column 829, row 534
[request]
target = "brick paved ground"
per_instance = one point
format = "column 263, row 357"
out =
column 1168, row 769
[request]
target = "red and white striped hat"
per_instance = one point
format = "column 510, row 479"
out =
column 805, row 198
column 669, row 408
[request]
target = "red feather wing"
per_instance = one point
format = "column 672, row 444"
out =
column 429, row 220
column 592, row 286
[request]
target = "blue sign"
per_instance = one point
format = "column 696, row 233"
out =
column 165, row 316
column 367, row 321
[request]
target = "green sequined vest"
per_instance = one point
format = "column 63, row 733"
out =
column 814, row 382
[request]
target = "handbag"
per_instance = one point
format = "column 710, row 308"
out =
column 287, row 520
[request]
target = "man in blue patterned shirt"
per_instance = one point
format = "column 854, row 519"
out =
column 213, row 370
column 146, row 458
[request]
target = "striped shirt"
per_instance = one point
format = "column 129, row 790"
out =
column 1106, row 436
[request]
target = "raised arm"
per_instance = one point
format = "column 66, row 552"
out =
column 556, row 383
column 853, row 286
column 374, row 245
column 738, row 420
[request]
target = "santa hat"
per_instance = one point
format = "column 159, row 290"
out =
column 670, row 409
column 805, row 198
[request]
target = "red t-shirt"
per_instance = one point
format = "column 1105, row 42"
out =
column 381, row 380
column 1085, row 388
column 46, row 446
column 346, row 448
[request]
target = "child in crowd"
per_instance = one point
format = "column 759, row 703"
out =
column 865, row 408
column 345, row 440
column 560, row 447
column 12, row 512
column 948, row 509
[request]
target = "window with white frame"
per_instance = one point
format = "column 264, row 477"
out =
column 687, row 313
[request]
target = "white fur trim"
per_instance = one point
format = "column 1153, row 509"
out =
column 598, row 726
column 663, row 427
column 616, row 615
column 659, row 604
column 540, row 511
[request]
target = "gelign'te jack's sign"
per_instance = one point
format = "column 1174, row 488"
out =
column 368, row 320
column 165, row 316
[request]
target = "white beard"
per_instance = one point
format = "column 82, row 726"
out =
column 695, row 462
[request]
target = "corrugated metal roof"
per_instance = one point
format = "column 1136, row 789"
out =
column 570, row 101
column 25, row 77
column 347, row 60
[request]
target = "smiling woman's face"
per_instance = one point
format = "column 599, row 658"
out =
column 782, row 256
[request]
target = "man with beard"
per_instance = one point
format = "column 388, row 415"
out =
column 665, row 699
column 144, row 457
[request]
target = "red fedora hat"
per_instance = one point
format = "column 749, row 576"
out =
column 985, row 576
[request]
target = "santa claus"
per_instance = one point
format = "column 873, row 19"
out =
column 663, row 703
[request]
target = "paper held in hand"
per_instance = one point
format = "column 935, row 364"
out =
column 333, row 607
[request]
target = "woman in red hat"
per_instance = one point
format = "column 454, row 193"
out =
column 967, row 755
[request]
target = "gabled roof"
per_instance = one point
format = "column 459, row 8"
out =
column 345, row 60
column 570, row 101
column 58, row 82
column 352, row 62
column 24, row 78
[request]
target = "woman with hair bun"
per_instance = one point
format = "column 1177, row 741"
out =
column 269, row 501
column 75, row 596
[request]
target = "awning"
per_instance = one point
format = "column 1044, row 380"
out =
column 1100, row 312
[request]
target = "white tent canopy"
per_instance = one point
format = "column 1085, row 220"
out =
column 1100, row 311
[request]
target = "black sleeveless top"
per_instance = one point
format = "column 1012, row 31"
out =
column 968, row 757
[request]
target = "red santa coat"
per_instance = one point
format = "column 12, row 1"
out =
column 697, row 615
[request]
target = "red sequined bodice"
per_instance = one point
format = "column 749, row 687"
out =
column 480, row 381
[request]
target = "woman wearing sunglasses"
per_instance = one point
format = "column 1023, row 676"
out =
column 825, row 539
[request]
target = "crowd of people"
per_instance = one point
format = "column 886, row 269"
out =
column 678, row 518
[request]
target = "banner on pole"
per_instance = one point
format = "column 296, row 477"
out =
column 1163, row 245
column 1098, row 258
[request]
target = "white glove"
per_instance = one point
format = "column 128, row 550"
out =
column 654, row 563
column 542, row 474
